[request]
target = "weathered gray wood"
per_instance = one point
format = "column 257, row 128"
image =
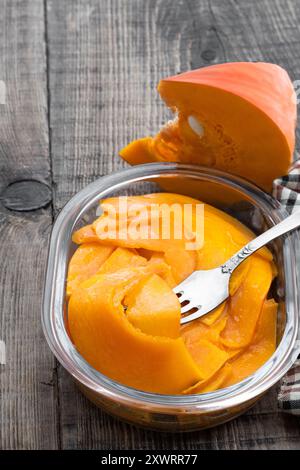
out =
column 105, row 59
column 28, row 399
column 264, row 30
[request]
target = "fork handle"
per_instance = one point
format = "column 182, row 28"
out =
column 290, row 223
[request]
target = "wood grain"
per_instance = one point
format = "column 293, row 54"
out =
column 80, row 79
column 27, row 393
column 105, row 59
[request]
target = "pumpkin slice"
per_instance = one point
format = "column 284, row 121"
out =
column 86, row 261
column 238, row 117
column 85, row 234
column 181, row 261
column 246, row 304
column 105, row 337
column 213, row 383
column 145, row 223
column 158, row 257
column 121, row 258
column 238, row 276
column 122, row 203
column 128, row 224
column 262, row 348
column 197, row 329
column 208, row 357
column 154, row 308
column 223, row 237
column 214, row 315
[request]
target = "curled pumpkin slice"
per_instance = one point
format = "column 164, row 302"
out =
column 208, row 356
column 167, row 275
column 215, row 382
column 86, row 261
column 111, row 344
column 85, row 234
column 245, row 306
column 262, row 347
column 133, row 223
column 121, row 258
column 154, row 308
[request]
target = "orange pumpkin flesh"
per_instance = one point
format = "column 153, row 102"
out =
column 246, row 303
column 261, row 349
column 86, row 261
column 85, row 234
column 103, row 335
column 124, row 318
column 183, row 263
column 237, row 117
column 120, row 259
column 212, row 383
column 163, row 319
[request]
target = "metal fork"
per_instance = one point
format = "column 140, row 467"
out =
column 204, row 290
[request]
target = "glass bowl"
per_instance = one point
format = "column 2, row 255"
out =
column 241, row 199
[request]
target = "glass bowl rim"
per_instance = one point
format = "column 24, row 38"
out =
column 53, row 315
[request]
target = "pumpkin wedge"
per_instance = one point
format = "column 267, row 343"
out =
column 238, row 117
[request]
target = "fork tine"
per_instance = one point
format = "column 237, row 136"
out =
column 188, row 307
column 183, row 299
column 180, row 287
column 178, row 290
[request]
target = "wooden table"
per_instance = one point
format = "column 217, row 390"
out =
column 77, row 82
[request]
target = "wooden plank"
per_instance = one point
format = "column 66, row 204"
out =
column 28, row 401
column 105, row 59
column 86, row 427
column 259, row 31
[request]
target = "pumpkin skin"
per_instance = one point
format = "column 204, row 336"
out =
column 247, row 116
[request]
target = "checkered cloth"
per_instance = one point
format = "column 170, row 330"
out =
column 287, row 191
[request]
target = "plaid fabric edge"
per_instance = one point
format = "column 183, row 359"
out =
column 287, row 191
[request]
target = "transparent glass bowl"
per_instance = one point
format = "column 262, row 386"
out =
column 241, row 199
